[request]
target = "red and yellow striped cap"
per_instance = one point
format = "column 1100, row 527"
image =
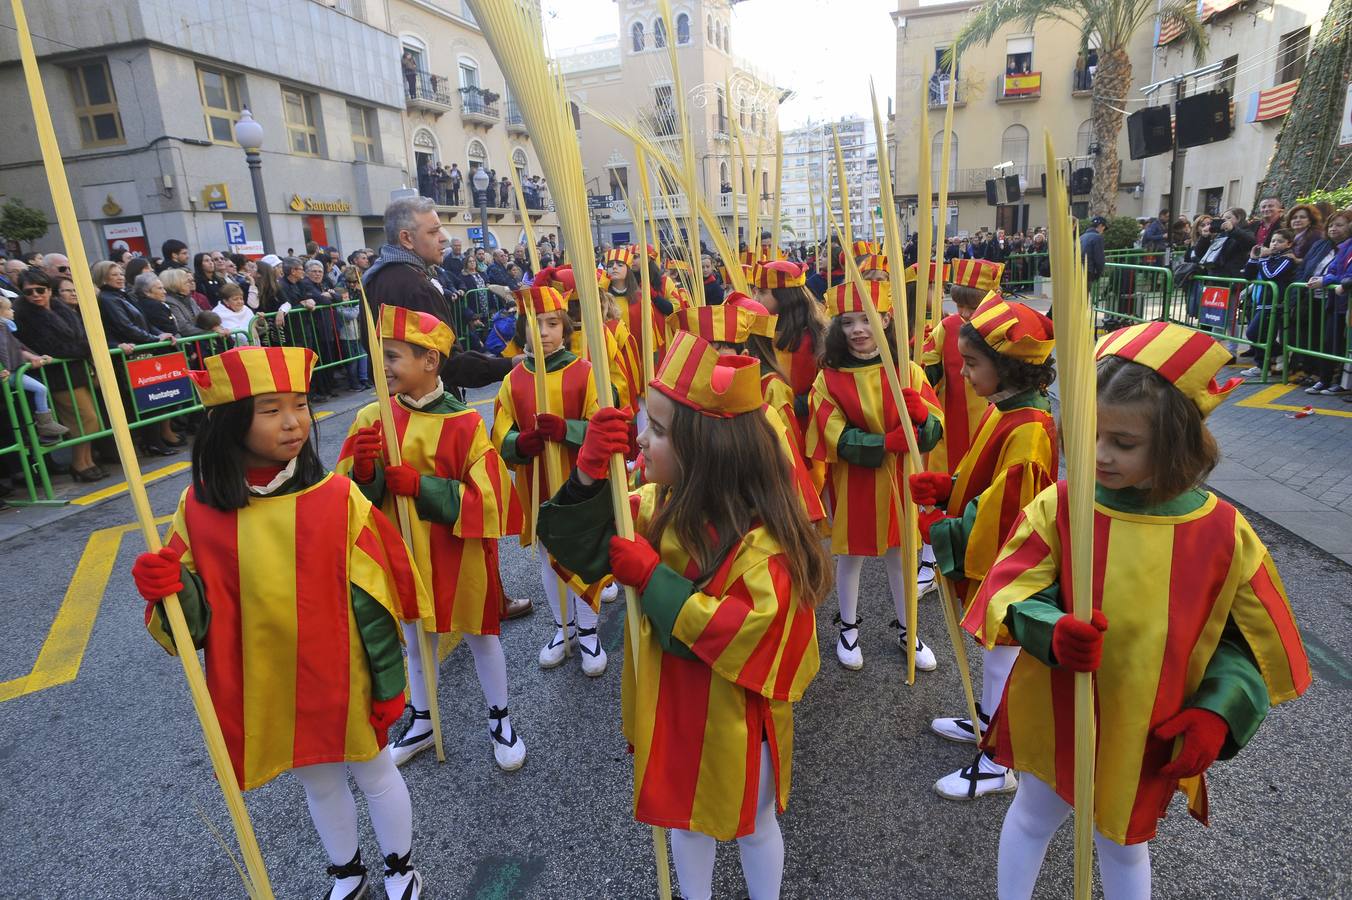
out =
column 652, row 251
column 542, row 299
column 678, row 265
column 250, row 371
column 981, row 274
column 845, row 298
column 778, row 273
column 763, row 321
column 560, row 278
column 873, row 262
column 619, row 255
column 1013, row 329
column 412, row 327
column 865, row 248
column 1187, row 359
column 749, row 257
column 722, row 324
column 940, row 273
column 694, row 375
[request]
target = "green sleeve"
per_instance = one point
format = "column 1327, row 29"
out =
column 1233, row 688
column 662, row 600
column 577, row 534
column 380, row 637
column 374, row 490
column 575, row 433
column 949, row 536
column 1030, row 622
column 438, row 499
column 928, row 435
column 196, row 610
column 933, row 373
column 509, row 454
column 861, row 448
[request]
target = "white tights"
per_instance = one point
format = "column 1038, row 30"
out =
column 996, row 664
column 1032, row 819
column 489, row 663
column 762, row 850
column 334, row 810
column 585, row 615
column 847, row 583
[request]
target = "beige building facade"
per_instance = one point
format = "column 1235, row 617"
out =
column 630, row 77
column 809, row 164
column 1009, row 93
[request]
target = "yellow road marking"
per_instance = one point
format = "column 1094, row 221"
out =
column 62, row 652
column 483, row 402
column 323, row 414
column 1265, row 399
column 114, row 490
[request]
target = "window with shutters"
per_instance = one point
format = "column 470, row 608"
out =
column 96, row 104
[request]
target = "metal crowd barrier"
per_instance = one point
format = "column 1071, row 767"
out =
column 1315, row 330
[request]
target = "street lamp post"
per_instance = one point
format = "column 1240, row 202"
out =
column 480, row 180
column 250, row 136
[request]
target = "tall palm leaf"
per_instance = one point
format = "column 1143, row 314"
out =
column 1113, row 23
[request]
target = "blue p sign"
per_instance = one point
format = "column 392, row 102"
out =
column 234, row 232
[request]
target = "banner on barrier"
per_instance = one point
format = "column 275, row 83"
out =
column 158, row 381
column 1215, row 309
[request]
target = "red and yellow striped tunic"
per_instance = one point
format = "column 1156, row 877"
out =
column 963, row 409
column 1014, row 455
column 285, row 663
column 571, row 394
column 800, row 368
column 1168, row 585
column 696, row 726
column 865, row 518
column 626, row 369
column 458, row 561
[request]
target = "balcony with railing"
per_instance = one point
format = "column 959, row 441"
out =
column 940, row 86
column 515, row 123
column 427, row 92
column 718, row 127
column 1018, row 86
column 973, row 181
column 479, row 107
column 660, row 121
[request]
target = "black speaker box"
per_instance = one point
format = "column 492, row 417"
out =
column 1148, row 132
column 1013, row 193
column 1081, row 181
column 1204, row 119
column 992, row 198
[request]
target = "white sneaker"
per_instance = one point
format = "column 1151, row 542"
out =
column 610, row 592
column 1251, row 372
column 509, row 751
column 958, row 728
column 925, row 582
column 980, row 778
column 592, row 653
column 847, row 649
column 551, row 654
column 924, row 656
column 416, row 738
column 402, row 881
column 349, row 881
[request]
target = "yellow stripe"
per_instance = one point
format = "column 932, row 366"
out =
column 114, row 490
column 268, row 655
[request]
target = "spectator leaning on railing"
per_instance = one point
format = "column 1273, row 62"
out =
column 55, row 330
column 123, row 320
column 14, row 354
column 1331, row 274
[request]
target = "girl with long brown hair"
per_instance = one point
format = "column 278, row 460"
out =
column 728, row 569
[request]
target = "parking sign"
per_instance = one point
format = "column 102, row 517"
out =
column 234, row 232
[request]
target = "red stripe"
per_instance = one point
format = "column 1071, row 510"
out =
column 399, row 327
column 1186, row 356
column 1131, row 348
column 1271, row 597
column 957, row 424
column 755, row 728
column 723, row 626
column 758, row 663
column 214, row 535
column 323, row 599
column 801, row 631
column 1011, row 504
column 1032, row 551
column 237, row 373
column 385, row 545
column 281, row 375
column 667, row 794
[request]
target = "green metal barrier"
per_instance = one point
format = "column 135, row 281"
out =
column 1126, row 294
column 1228, row 316
column 1315, row 332
column 1023, row 273
column 332, row 331
column 18, row 448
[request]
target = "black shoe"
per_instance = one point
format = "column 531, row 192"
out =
column 353, row 869
column 156, row 450
column 89, row 475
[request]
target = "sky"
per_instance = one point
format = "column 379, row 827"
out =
column 824, row 52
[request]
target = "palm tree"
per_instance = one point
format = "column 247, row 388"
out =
column 1113, row 23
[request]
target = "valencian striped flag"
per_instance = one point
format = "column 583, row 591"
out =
column 1169, row 585
column 284, row 697
column 1272, row 103
column 696, row 726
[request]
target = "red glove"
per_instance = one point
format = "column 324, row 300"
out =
column 633, row 562
column 530, row 443
column 607, row 434
column 1204, row 735
column 403, row 480
column 931, row 488
column 157, row 575
column 368, row 445
column 551, row 428
column 926, row 521
column 895, row 440
column 915, row 406
column 385, row 713
column 1077, row 645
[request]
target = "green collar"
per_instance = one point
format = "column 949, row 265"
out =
column 553, row 362
column 1029, row 398
column 1132, row 500
column 443, row 405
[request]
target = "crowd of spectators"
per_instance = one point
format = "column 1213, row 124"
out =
column 449, row 185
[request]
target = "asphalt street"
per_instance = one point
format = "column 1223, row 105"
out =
column 106, row 790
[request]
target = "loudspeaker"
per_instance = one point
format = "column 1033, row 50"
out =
column 1012, row 190
column 992, row 197
column 1149, row 132
column 1081, row 181
column 1203, row 118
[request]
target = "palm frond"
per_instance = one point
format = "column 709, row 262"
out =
column 993, row 15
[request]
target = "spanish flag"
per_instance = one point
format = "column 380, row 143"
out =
column 286, row 666
column 1169, row 585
